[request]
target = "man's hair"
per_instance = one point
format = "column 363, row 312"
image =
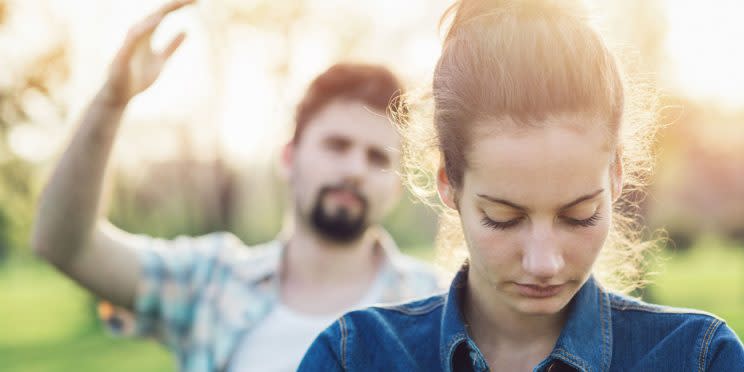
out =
column 372, row 85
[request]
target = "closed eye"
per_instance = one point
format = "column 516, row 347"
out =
column 501, row 225
column 588, row 222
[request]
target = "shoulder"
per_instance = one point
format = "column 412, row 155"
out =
column 699, row 335
column 429, row 306
column 183, row 254
column 419, row 278
column 392, row 319
column 661, row 318
column 203, row 245
column 392, row 337
column 625, row 306
column 406, row 321
column 214, row 251
column 415, row 310
column 251, row 263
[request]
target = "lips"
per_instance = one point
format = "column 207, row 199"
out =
column 539, row 291
column 345, row 197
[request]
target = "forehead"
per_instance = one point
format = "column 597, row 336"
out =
column 353, row 121
column 552, row 161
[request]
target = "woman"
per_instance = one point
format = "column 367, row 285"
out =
column 537, row 142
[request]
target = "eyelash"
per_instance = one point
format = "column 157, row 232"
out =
column 591, row 221
column 487, row 222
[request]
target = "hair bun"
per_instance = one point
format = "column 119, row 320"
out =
column 465, row 12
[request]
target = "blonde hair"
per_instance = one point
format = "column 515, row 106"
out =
column 528, row 60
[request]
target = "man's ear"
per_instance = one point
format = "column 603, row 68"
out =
column 616, row 175
column 286, row 160
column 444, row 187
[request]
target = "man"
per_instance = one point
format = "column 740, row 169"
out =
column 217, row 305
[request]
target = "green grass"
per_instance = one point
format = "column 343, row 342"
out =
column 47, row 322
column 88, row 351
column 708, row 277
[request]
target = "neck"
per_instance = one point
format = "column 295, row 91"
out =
column 309, row 258
column 499, row 329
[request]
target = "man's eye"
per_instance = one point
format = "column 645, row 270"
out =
column 379, row 159
column 337, row 144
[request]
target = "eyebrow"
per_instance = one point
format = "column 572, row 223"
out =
column 522, row 208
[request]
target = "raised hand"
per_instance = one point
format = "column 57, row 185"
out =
column 136, row 66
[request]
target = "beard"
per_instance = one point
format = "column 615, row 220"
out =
column 339, row 225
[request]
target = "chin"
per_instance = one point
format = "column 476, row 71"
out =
column 542, row 306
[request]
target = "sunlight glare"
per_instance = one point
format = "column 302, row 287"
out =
column 704, row 43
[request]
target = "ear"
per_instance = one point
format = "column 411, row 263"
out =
column 286, row 160
column 444, row 187
column 616, row 175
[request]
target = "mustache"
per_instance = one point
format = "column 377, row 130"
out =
column 343, row 187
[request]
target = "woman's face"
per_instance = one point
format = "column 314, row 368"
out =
column 536, row 207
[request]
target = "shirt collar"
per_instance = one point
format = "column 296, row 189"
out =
column 452, row 334
column 585, row 342
column 586, row 339
column 266, row 269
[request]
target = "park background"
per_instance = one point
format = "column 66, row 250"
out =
column 197, row 152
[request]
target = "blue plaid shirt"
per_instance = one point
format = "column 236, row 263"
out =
column 200, row 296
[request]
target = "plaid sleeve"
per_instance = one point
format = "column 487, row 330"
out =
column 172, row 275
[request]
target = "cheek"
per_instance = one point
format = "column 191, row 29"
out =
column 306, row 181
column 382, row 185
column 491, row 247
column 583, row 245
column 381, row 190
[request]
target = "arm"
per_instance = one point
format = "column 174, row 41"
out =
column 67, row 230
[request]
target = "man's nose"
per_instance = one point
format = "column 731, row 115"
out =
column 355, row 165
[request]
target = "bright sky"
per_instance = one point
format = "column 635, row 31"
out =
column 706, row 49
column 221, row 83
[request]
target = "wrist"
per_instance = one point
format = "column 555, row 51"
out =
column 111, row 97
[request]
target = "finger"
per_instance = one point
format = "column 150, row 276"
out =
column 145, row 28
column 172, row 46
column 170, row 7
column 149, row 24
column 136, row 36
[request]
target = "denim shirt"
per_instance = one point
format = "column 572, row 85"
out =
column 200, row 296
column 603, row 332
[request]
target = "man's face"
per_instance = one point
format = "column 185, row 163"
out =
column 343, row 171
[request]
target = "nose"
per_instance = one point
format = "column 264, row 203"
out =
column 542, row 257
column 355, row 166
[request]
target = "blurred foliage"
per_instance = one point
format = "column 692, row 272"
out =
column 16, row 206
column 31, row 78
column 47, row 321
